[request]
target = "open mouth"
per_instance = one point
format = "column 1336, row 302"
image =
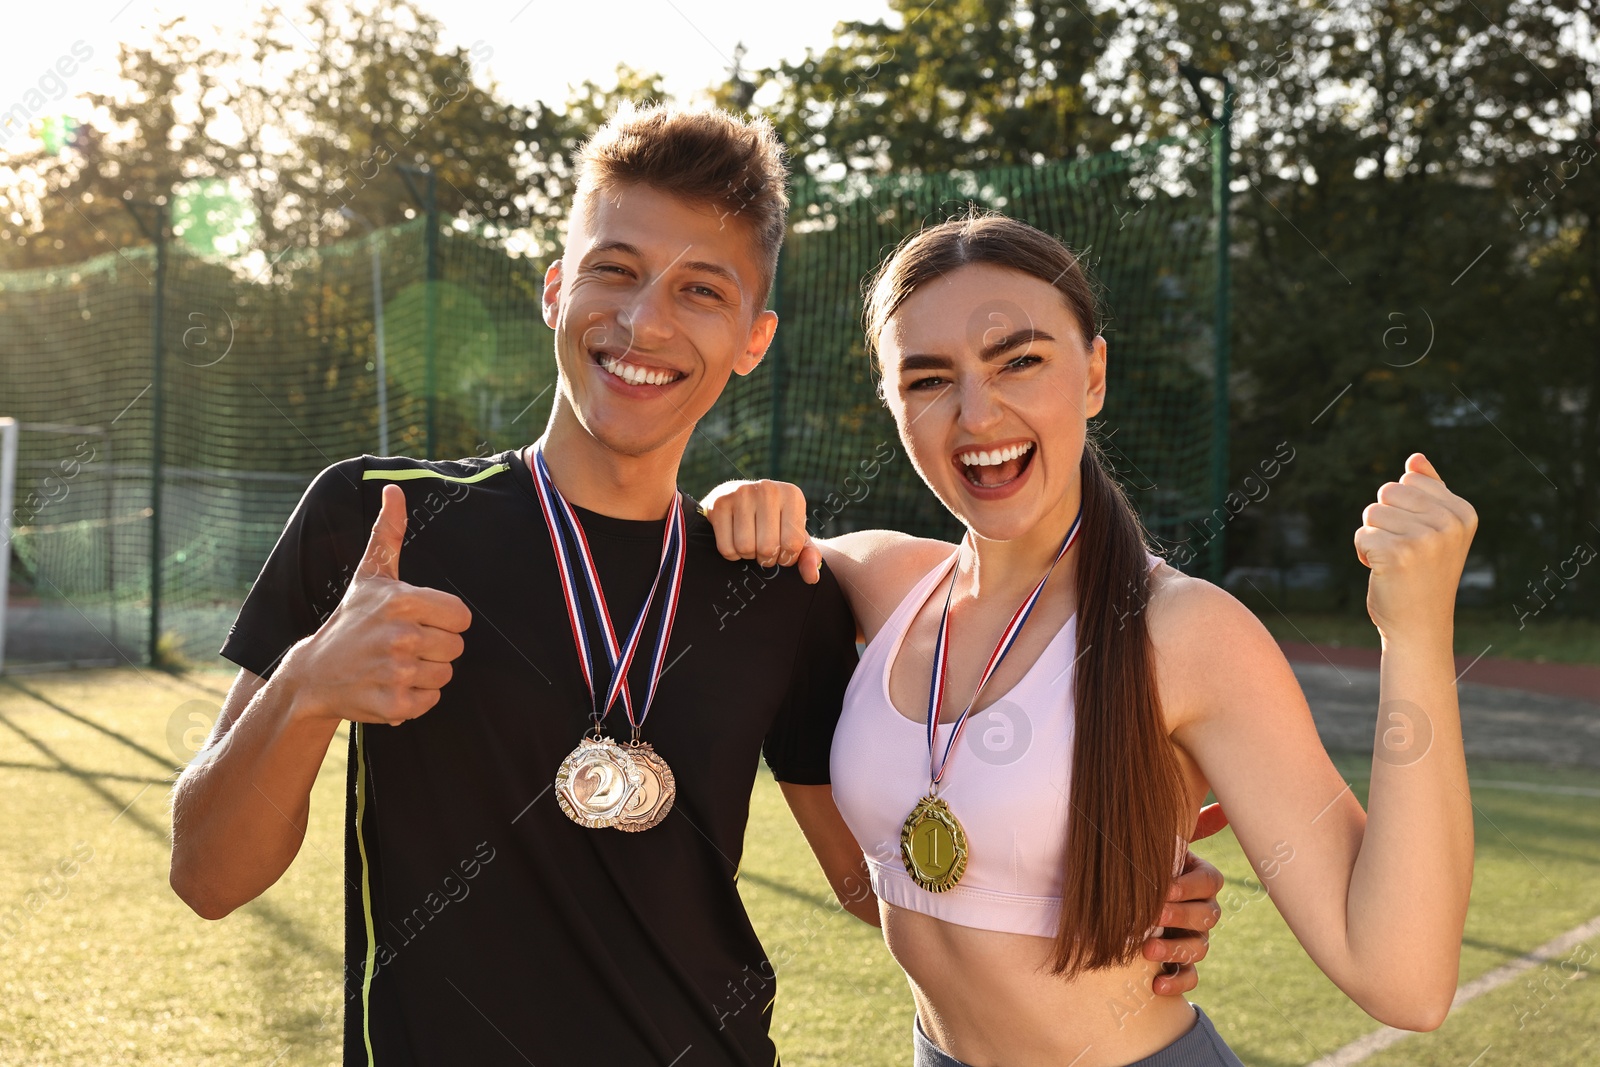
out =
column 991, row 468
column 631, row 373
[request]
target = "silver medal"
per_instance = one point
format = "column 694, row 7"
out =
column 596, row 781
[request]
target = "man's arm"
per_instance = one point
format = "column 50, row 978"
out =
column 250, row 785
column 239, row 810
column 835, row 848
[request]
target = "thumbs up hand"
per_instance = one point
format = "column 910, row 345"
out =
column 382, row 558
column 385, row 652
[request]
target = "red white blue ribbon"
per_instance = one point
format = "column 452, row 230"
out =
column 1008, row 637
column 569, row 541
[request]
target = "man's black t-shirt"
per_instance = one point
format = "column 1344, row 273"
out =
column 481, row 925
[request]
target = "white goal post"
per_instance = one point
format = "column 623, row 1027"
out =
column 57, row 513
column 8, row 489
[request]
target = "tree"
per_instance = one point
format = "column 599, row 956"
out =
column 958, row 83
column 1384, row 149
column 311, row 114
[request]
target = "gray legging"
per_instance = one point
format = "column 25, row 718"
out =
column 1200, row 1047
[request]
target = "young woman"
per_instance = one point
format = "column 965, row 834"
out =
column 1014, row 888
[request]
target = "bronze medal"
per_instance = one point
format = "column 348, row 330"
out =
column 596, row 781
column 933, row 846
column 649, row 803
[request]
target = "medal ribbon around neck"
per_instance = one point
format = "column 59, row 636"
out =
column 941, row 658
column 564, row 526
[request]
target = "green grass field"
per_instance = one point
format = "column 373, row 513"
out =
column 101, row 964
column 1542, row 640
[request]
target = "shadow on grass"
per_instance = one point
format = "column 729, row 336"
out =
column 109, row 776
column 164, row 761
column 284, row 927
column 1489, row 946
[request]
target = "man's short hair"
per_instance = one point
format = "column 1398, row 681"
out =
column 707, row 157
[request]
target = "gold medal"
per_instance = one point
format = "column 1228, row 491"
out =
column 596, row 781
column 649, row 803
column 933, row 846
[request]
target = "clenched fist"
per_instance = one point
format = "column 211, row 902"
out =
column 1414, row 539
column 764, row 521
column 385, row 652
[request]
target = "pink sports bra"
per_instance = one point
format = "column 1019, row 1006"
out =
column 1008, row 782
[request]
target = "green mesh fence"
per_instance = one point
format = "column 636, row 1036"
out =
column 269, row 375
column 1138, row 224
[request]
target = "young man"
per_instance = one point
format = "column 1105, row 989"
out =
column 494, row 913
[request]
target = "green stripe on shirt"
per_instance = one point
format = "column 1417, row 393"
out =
column 407, row 475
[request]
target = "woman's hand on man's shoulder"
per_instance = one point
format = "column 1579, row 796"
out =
column 766, row 521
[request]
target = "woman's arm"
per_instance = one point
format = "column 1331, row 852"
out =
column 1378, row 900
column 766, row 521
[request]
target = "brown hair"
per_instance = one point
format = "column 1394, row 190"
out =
column 708, row 157
column 1128, row 797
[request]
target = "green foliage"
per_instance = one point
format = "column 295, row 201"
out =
column 208, row 218
column 957, row 83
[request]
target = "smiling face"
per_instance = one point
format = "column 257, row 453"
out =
column 653, row 305
column 991, row 383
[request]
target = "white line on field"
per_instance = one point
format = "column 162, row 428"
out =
column 1378, row 1040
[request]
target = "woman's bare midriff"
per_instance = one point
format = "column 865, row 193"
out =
column 988, row 998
